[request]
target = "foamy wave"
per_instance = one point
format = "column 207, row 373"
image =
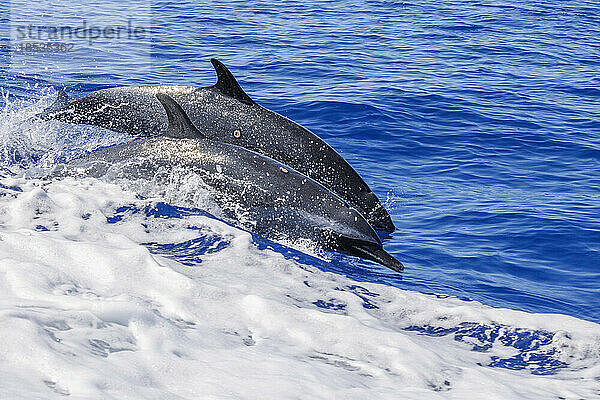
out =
column 108, row 295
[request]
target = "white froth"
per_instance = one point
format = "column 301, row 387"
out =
column 87, row 310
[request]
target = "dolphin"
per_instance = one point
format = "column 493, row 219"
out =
column 224, row 112
column 255, row 192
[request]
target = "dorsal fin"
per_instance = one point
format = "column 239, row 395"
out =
column 62, row 100
column 227, row 84
column 180, row 125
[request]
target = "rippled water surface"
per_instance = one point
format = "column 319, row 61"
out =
column 478, row 123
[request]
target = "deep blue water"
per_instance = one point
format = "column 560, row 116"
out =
column 480, row 121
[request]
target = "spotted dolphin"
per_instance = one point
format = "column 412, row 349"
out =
column 254, row 192
column 224, row 112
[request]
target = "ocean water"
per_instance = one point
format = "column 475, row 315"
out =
column 478, row 124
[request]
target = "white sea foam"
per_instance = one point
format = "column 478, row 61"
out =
column 97, row 301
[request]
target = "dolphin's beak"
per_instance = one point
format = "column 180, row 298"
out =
column 370, row 251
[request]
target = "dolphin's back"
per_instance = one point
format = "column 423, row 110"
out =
column 133, row 110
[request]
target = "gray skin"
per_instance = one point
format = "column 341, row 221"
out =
column 225, row 113
column 275, row 201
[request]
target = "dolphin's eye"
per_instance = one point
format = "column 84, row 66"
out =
column 237, row 133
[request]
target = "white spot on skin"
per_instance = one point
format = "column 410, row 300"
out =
column 285, row 171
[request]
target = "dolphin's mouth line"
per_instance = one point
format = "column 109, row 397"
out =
column 369, row 251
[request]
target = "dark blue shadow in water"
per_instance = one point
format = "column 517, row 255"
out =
column 534, row 352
